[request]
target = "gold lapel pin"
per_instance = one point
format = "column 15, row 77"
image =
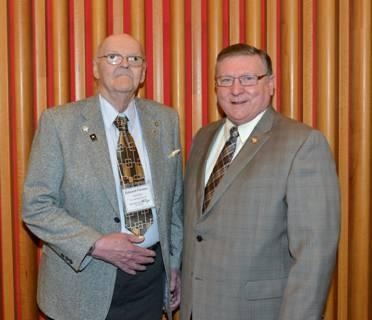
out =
column 254, row 140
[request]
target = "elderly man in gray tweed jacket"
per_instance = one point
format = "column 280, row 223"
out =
column 92, row 266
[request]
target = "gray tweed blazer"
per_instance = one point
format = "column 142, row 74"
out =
column 70, row 201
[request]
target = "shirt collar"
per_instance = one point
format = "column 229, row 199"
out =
column 244, row 129
column 109, row 113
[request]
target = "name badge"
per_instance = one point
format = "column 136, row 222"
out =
column 138, row 198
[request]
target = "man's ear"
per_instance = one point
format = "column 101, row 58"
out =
column 95, row 69
column 272, row 84
column 143, row 72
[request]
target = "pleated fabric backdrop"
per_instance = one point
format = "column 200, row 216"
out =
column 321, row 52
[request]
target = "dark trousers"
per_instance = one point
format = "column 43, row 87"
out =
column 139, row 296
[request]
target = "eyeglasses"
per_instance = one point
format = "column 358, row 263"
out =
column 116, row 58
column 245, row 80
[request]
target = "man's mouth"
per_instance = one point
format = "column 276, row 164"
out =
column 123, row 73
column 238, row 101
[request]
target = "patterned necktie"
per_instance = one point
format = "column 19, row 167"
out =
column 131, row 175
column 222, row 163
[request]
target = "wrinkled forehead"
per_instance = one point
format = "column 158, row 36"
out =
column 123, row 44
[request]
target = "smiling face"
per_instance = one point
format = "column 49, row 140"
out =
column 240, row 103
column 120, row 79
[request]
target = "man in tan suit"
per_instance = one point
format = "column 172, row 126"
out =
column 261, row 229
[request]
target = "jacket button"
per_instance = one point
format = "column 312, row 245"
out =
column 116, row 219
column 199, row 238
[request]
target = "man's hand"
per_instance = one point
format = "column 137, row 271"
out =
column 175, row 289
column 120, row 249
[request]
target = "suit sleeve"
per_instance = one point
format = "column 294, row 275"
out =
column 177, row 208
column 313, row 229
column 43, row 210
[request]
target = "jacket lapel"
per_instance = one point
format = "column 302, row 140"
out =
column 255, row 141
column 200, row 166
column 92, row 127
column 151, row 126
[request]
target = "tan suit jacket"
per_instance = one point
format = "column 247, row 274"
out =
column 265, row 248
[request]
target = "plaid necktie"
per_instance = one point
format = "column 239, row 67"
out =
column 222, row 163
column 131, row 175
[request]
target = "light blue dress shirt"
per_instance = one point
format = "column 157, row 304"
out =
column 109, row 114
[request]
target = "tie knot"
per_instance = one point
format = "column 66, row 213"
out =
column 121, row 123
column 234, row 133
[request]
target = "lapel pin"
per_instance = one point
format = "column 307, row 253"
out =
column 85, row 129
column 254, row 140
column 93, row 137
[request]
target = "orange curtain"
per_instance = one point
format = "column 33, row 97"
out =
column 321, row 53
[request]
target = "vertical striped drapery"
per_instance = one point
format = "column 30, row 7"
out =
column 321, row 53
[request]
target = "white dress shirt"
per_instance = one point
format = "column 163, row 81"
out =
column 223, row 135
column 109, row 114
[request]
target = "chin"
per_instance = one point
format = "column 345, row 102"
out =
column 123, row 83
column 124, row 89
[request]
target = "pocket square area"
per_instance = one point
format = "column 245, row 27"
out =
column 174, row 153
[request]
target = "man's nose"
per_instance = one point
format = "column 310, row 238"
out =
column 124, row 63
column 236, row 86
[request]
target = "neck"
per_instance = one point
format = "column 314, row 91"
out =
column 120, row 101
